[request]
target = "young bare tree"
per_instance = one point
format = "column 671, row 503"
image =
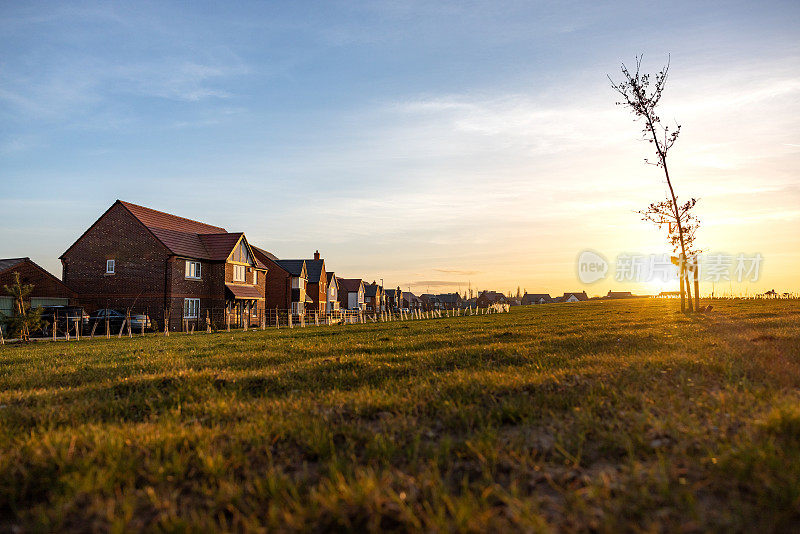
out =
column 24, row 320
column 641, row 93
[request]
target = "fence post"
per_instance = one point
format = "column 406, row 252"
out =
column 55, row 325
column 277, row 321
column 227, row 319
column 289, row 316
column 316, row 319
column 66, row 330
column 166, row 322
column 78, row 328
column 263, row 314
column 696, row 284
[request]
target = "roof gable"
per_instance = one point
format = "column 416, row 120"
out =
column 372, row 290
column 314, row 270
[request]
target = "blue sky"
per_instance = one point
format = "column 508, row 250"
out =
column 433, row 144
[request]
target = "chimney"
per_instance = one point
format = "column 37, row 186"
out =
column 316, row 255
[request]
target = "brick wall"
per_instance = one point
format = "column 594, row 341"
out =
column 278, row 287
column 141, row 265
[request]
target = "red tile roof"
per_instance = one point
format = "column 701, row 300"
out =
column 219, row 246
column 244, row 292
column 158, row 219
column 264, row 253
column 185, row 237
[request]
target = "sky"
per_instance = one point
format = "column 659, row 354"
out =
column 439, row 146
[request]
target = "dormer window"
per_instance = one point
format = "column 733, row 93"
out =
column 110, row 266
column 193, row 270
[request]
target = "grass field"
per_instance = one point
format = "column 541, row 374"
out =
column 609, row 416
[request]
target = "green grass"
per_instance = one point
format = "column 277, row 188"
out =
column 610, row 416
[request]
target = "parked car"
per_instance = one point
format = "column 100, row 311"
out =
column 60, row 315
column 115, row 320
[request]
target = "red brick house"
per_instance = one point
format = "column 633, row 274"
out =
column 487, row 298
column 351, row 293
column 317, row 283
column 152, row 261
column 299, row 273
column 286, row 282
column 373, row 297
column 47, row 289
column 394, row 299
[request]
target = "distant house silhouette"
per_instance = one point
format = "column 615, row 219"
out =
column 536, row 298
column 487, row 298
column 573, row 297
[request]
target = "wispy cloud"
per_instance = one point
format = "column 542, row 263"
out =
column 83, row 86
column 457, row 271
column 437, row 283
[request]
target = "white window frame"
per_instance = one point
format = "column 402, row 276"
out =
column 237, row 269
column 191, row 308
column 193, row 270
column 111, row 266
column 255, row 277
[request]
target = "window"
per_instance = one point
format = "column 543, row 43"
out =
column 110, row 266
column 238, row 273
column 193, row 269
column 191, row 308
column 298, row 308
column 255, row 277
column 298, row 283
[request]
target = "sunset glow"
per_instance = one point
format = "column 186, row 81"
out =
column 437, row 146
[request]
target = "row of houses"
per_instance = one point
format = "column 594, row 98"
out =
column 451, row 301
column 134, row 257
column 174, row 268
